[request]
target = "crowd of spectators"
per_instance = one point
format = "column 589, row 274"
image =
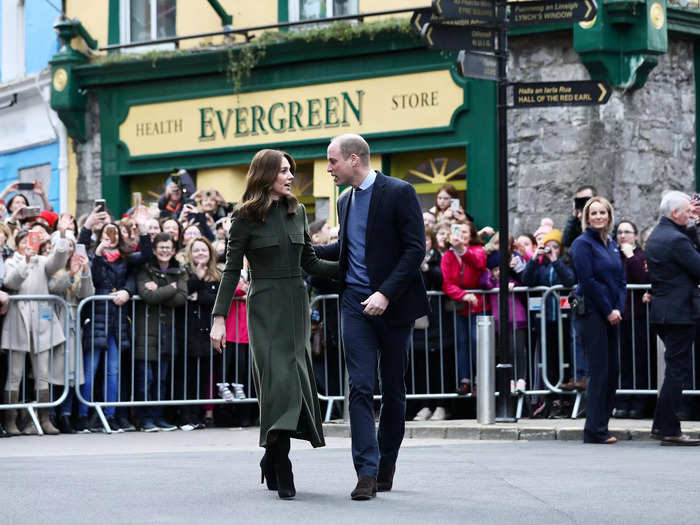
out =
column 170, row 254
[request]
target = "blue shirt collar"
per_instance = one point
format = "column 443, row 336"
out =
column 369, row 180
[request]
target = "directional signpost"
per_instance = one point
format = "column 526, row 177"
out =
column 551, row 12
column 478, row 28
column 573, row 93
column 458, row 37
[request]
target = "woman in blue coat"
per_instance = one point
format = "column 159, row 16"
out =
column 603, row 289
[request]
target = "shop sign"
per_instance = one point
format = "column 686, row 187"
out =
column 398, row 103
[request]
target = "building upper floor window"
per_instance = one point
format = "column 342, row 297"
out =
column 144, row 20
column 12, row 41
column 311, row 9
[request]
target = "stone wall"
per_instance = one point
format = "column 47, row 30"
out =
column 89, row 159
column 631, row 149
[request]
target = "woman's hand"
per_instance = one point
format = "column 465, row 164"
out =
column 471, row 299
column 627, row 249
column 120, row 297
column 217, row 335
column 96, row 218
column 201, row 270
column 646, row 298
column 486, row 231
column 614, row 317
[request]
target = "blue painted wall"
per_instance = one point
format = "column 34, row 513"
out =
column 41, row 41
column 11, row 163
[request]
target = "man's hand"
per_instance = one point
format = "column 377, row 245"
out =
column 646, row 298
column 614, row 317
column 375, row 304
column 151, row 286
column 217, row 335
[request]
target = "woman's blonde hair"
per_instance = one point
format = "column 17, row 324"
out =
column 586, row 210
column 213, row 273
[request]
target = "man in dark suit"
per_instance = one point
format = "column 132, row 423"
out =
column 674, row 268
column 381, row 244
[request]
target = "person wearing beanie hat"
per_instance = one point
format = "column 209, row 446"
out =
column 553, row 235
column 548, row 267
column 50, row 217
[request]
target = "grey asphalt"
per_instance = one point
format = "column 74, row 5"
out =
column 211, row 476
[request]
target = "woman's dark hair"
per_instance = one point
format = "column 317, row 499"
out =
column 21, row 234
column 474, row 238
column 450, row 190
column 15, row 196
column 531, row 237
column 162, row 237
column 177, row 242
column 123, row 248
column 625, row 221
column 263, row 171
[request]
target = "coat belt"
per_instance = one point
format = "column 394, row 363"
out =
column 276, row 274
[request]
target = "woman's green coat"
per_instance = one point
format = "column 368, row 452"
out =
column 278, row 316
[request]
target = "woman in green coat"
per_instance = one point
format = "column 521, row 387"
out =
column 269, row 227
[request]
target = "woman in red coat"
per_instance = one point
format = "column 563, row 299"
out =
column 462, row 266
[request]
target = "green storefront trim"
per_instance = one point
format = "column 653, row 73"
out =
column 113, row 28
column 121, row 84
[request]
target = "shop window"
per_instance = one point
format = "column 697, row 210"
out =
column 146, row 20
column 312, row 9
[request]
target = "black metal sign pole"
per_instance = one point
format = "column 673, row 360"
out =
column 504, row 372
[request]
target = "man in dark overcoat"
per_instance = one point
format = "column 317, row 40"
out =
column 381, row 244
column 674, row 269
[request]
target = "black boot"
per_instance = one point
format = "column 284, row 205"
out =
column 64, row 425
column 283, row 467
column 267, row 471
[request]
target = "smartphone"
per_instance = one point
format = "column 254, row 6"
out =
column 136, row 199
column 80, row 249
column 33, row 240
column 25, row 186
column 30, row 211
column 101, row 204
column 456, row 230
column 580, row 202
column 454, row 204
column 153, row 209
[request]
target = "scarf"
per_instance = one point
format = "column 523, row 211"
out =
column 111, row 255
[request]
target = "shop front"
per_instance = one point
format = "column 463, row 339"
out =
column 424, row 123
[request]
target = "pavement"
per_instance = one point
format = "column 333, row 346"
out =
column 523, row 429
column 211, row 476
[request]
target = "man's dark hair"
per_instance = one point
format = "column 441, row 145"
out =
column 162, row 237
column 587, row 187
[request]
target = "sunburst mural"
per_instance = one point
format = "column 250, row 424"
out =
column 437, row 171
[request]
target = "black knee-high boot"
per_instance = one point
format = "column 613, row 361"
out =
column 283, row 467
column 267, row 470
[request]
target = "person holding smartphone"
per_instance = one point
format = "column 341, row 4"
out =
column 26, row 330
column 73, row 283
column 462, row 266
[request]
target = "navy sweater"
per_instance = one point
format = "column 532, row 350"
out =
column 600, row 274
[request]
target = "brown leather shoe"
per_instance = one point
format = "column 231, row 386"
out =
column 681, row 441
column 568, row 386
column 581, row 384
column 365, row 489
column 385, row 478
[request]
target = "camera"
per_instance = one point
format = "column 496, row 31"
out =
column 547, row 249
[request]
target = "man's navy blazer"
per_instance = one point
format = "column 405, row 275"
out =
column 674, row 269
column 394, row 247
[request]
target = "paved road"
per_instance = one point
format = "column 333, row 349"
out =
column 210, row 476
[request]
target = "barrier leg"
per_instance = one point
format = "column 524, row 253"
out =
column 577, row 405
column 101, row 414
column 519, row 408
column 329, row 410
column 35, row 420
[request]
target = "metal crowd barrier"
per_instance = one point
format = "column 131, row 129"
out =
column 169, row 368
column 41, row 308
column 433, row 354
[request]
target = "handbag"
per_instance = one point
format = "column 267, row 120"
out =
column 456, row 306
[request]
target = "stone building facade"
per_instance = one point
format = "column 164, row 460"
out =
column 631, row 149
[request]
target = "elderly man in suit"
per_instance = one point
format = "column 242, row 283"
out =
column 380, row 247
column 674, row 268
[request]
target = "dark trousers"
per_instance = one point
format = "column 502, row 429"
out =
column 678, row 340
column 600, row 347
column 367, row 338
